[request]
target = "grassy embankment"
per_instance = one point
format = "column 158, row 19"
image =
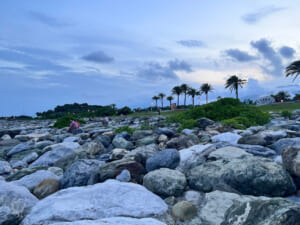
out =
column 280, row 107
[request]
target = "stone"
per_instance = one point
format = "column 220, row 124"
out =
column 204, row 122
column 30, row 157
column 118, row 153
column 46, row 188
column 18, row 164
column 139, row 134
column 231, row 138
column 94, row 148
column 20, row 148
column 124, row 176
column 183, row 141
column 82, row 172
column 105, row 140
column 5, row 137
column 124, row 135
column 5, row 168
column 281, row 144
column 291, row 160
column 32, row 180
column 272, row 136
column 257, row 150
column 252, row 140
column 122, row 143
column 162, row 138
column 109, row 199
column 6, row 146
column 248, row 175
column 168, row 132
column 228, row 153
column 188, row 131
column 165, row 182
column 69, row 159
column 168, row 158
column 15, row 203
column 184, row 210
column 272, row 211
column 77, row 131
column 22, row 138
column 147, row 140
column 194, row 197
column 43, row 144
column 56, row 170
column 71, row 139
column 142, row 153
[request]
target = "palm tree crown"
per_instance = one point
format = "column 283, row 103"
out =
column 155, row 98
column 184, row 89
column 170, row 99
column 177, row 91
column 161, row 96
column 233, row 83
column 293, row 69
column 192, row 92
column 205, row 88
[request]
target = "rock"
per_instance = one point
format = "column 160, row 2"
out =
column 20, row 148
column 21, row 173
column 226, row 137
column 122, row 143
column 105, row 140
column 142, row 153
column 30, row 157
column 5, row 168
column 114, row 221
column 71, row 139
column 194, row 197
column 194, row 156
column 77, row 131
column 228, row 153
column 204, row 122
column 118, row 153
column 109, row 199
column 32, row 180
column 70, row 145
column 184, row 210
column 46, row 187
column 22, row 138
column 188, row 131
column 291, row 160
column 112, row 169
column 162, row 138
column 51, row 157
column 165, row 182
column 100, row 131
column 168, row 132
column 18, row 164
column 139, row 134
column 183, row 141
column 124, row 176
column 252, row 140
column 124, row 135
column 94, row 148
column 5, row 137
column 69, row 159
column 43, row 144
column 6, row 146
column 272, row 211
column 247, row 175
column 168, row 158
column 147, row 140
column 80, row 173
column 257, row 150
column 56, row 170
column 15, row 203
column 272, row 136
column 281, row 144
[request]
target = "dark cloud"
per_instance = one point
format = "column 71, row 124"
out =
column 240, row 56
column 47, row 20
column 98, row 57
column 191, row 43
column 255, row 17
column 287, row 52
column 264, row 48
column 154, row 70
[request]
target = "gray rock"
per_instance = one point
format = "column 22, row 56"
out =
column 257, row 150
column 122, row 143
column 30, row 157
column 94, row 148
column 124, row 135
column 118, row 153
column 104, row 139
column 5, row 137
column 5, row 168
column 142, row 153
column 124, row 176
column 184, row 210
column 147, row 140
column 165, row 182
column 168, row 132
column 231, row 138
column 281, row 144
column 183, row 141
column 68, row 160
column 252, row 140
column 168, row 158
column 80, row 173
column 71, row 139
column 109, row 199
column 15, row 203
column 228, row 153
column 20, row 148
column 18, row 164
column 46, row 188
column 291, row 160
column 204, row 122
column 139, row 134
column 43, row 144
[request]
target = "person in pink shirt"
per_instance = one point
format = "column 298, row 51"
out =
column 73, row 126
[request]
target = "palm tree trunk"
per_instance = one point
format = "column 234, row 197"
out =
column 193, row 101
column 170, row 104
column 156, row 103
column 206, row 98
column 177, row 100
column 237, row 94
column 162, row 103
column 184, row 99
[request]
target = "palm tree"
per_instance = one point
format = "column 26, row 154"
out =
column 177, row 91
column 293, row 69
column 192, row 92
column 170, row 99
column 184, row 89
column 161, row 96
column 233, row 83
column 155, row 98
column 199, row 93
column 205, row 88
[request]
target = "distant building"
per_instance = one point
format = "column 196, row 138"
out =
column 265, row 100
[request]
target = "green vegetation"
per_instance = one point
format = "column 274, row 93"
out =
column 188, row 124
column 229, row 111
column 65, row 121
column 126, row 129
column 280, row 107
column 286, row 114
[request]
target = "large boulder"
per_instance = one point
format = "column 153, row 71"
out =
column 46, row 187
column 229, row 137
column 6, row 146
column 5, row 168
column 228, row 153
column 121, row 142
column 272, row 211
column 281, row 144
column 272, row 136
column 168, row 158
column 139, row 134
column 142, row 153
column 147, row 140
column 108, row 199
column 204, row 122
column 20, row 148
column 80, row 173
column 69, row 159
column 257, row 150
column 94, row 148
column 165, row 182
column 247, row 175
column 252, row 140
column 15, row 203
column 183, row 141
column 291, row 160
column 166, row 131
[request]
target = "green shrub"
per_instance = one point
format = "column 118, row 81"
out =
column 188, row 124
column 65, row 121
column 122, row 129
column 286, row 114
column 125, row 111
column 146, row 126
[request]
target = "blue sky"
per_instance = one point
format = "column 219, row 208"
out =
column 124, row 52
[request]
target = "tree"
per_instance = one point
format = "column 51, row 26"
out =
column 199, row 93
column 192, row 92
column 184, row 90
column 293, row 69
column 161, row 96
column 281, row 96
column 177, row 91
column 170, row 99
column 155, row 98
column 205, row 88
column 233, row 83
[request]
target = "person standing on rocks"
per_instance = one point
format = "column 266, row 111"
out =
column 73, row 126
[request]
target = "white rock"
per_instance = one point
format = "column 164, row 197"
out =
column 228, row 153
column 5, row 137
column 4, row 167
column 71, row 139
column 227, row 137
column 109, row 199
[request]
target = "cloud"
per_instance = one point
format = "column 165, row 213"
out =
column 240, row 56
column 191, row 43
column 287, row 52
column 258, row 15
column 178, row 65
column 264, row 48
column 98, row 57
column 47, row 20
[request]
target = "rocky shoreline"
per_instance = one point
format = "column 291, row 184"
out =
column 209, row 175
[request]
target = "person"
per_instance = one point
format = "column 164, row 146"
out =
column 73, row 126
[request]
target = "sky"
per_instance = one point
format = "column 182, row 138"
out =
column 102, row 52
